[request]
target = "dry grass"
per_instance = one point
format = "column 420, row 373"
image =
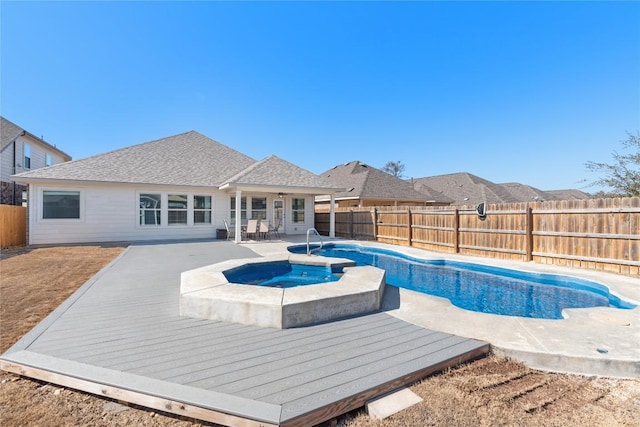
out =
column 487, row 392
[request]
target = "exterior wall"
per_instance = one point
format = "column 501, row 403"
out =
column 39, row 152
column 288, row 226
column 293, row 228
column 6, row 163
column 110, row 213
column 38, row 156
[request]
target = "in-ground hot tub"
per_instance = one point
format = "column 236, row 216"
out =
column 284, row 274
column 209, row 292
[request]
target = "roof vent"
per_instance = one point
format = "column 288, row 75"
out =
column 350, row 189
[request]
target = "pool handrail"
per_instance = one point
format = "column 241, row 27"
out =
column 319, row 238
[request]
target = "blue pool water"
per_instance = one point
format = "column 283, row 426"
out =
column 478, row 287
column 280, row 274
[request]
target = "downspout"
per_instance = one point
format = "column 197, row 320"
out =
column 13, row 172
column 13, row 201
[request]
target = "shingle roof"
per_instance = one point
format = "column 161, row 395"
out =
column 276, row 172
column 9, row 131
column 189, row 158
column 570, row 194
column 465, row 188
column 366, row 182
column 525, row 193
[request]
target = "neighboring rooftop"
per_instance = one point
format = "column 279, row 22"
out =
column 570, row 194
column 362, row 181
column 467, row 189
column 9, row 132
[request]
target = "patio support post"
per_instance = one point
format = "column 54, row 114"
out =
column 238, row 231
column 332, row 216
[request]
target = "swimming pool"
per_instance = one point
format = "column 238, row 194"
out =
column 281, row 274
column 478, row 287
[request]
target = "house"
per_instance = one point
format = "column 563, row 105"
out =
column 569, row 194
column 465, row 189
column 180, row 187
column 527, row 193
column 468, row 189
column 368, row 186
column 22, row 151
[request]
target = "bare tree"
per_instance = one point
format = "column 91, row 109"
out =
column 623, row 176
column 394, row 168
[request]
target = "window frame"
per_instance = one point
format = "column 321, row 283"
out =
column 259, row 213
column 26, row 156
column 204, row 211
column 295, row 212
column 171, row 210
column 41, row 213
column 142, row 209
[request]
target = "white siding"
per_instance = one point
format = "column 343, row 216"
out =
column 6, row 163
column 291, row 227
column 110, row 213
column 38, row 156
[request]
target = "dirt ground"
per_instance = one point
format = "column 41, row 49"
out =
column 488, row 392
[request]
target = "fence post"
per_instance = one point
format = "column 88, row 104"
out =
column 351, row 223
column 456, row 231
column 374, row 214
column 410, row 231
column 528, row 224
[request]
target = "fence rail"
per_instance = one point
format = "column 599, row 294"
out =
column 602, row 234
column 13, row 226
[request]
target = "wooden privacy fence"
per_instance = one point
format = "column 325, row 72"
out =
column 13, row 226
column 601, row 234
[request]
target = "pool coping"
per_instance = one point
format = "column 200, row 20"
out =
column 598, row 341
column 206, row 293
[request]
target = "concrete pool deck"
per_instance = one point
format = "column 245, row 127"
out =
column 594, row 341
column 120, row 335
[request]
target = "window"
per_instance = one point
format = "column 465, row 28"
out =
column 150, row 209
column 47, row 159
column 27, row 156
column 202, row 209
column 259, row 208
column 61, row 204
column 177, row 209
column 243, row 209
column 297, row 209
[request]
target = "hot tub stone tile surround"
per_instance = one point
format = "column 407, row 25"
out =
column 206, row 293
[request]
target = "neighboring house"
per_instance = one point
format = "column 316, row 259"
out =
column 569, row 194
column 467, row 189
column 368, row 186
column 21, row 151
column 527, row 193
column 180, row 187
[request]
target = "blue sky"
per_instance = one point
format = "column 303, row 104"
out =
column 510, row 91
